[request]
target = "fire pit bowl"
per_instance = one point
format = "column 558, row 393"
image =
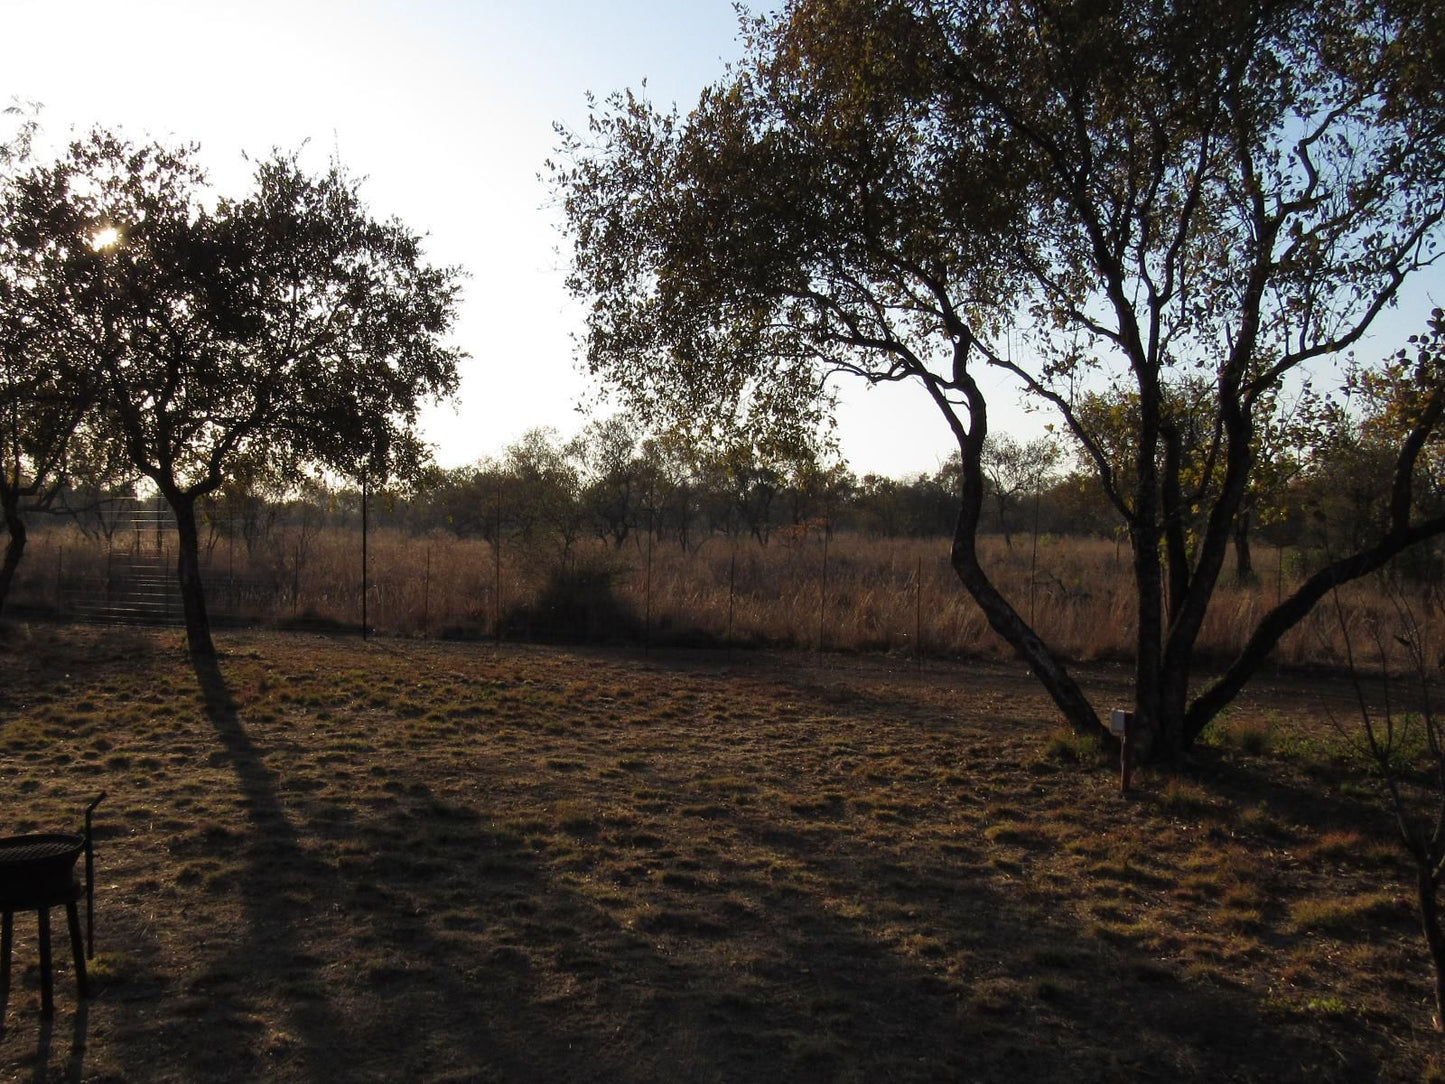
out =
column 38, row 866
column 37, row 872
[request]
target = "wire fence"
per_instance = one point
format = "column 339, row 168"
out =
column 807, row 588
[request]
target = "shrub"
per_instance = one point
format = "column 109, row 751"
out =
column 578, row 603
column 1068, row 747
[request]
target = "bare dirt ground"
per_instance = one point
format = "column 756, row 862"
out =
column 444, row 862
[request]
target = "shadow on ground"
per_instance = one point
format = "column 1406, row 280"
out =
column 365, row 904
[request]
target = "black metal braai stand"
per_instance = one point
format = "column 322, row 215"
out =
column 37, row 872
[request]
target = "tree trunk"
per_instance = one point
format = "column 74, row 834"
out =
column 1002, row 617
column 188, row 572
column 1150, row 538
column 1005, row 620
column 14, row 550
column 1243, row 561
column 1151, row 740
column 1008, row 538
column 1434, row 937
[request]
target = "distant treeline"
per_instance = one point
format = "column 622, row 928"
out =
column 549, row 494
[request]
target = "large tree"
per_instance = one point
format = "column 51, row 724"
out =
column 1083, row 196
column 282, row 329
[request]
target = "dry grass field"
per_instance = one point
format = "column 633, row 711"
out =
column 848, row 593
column 422, row 861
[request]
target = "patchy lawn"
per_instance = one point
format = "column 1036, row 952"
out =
column 420, row 861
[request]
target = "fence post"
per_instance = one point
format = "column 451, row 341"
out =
column 647, row 581
column 1034, row 555
column 497, row 568
column 426, row 596
column 918, row 615
column 823, row 598
column 365, row 629
column 732, row 593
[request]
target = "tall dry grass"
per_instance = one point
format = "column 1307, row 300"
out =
column 844, row 593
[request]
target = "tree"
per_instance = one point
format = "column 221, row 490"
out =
column 44, row 403
column 1283, row 436
column 1013, row 469
column 671, row 472
column 460, row 500
column 547, row 489
column 282, row 329
column 1350, row 485
column 615, row 486
column 819, row 492
column 752, row 483
column 1126, row 193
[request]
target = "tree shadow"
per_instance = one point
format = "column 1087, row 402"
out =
column 269, row 949
column 335, row 941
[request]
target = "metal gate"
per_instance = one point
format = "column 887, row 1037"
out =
column 139, row 585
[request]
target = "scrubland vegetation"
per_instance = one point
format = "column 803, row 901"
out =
column 806, row 588
column 892, row 596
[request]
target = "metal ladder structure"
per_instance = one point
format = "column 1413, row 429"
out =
column 140, row 574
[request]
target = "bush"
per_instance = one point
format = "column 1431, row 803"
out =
column 1068, row 747
column 577, row 604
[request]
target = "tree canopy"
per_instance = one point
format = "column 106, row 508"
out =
column 283, row 329
column 44, row 395
column 1144, row 199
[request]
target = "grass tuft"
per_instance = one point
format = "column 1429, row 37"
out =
column 1065, row 745
column 1342, row 914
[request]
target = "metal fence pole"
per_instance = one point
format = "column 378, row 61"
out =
column 497, row 568
column 365, row 629
column 823, row 597
column 918, row 615
column 647, row 588
column 1034, row 555
column 732, row 594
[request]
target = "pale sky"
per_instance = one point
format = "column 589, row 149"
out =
column 447, row 107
